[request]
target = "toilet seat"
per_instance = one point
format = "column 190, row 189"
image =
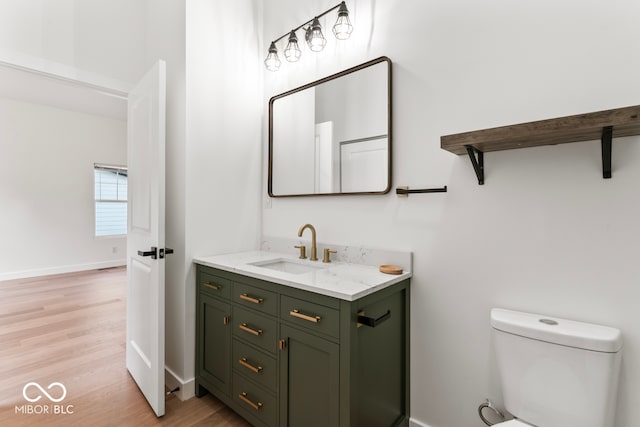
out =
column 513, row 423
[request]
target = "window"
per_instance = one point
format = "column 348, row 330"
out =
column 111, row 199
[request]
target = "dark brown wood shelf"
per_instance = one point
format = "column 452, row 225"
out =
column 602, row 125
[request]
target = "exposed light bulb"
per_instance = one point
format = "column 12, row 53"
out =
column 272, row 62
column 343, row 28
column 314, row 37
column 292, row 51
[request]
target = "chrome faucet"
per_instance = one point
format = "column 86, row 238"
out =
column 314, row 249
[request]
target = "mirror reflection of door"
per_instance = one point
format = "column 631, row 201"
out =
column 361, row 162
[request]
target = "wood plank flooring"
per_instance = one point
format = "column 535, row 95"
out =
column 71, row 329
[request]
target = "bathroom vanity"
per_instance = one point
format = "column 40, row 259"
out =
column 289, row 342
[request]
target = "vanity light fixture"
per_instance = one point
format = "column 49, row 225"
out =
column 292, row 51
column 343, row 28
column 272, row 62
column 312, row 35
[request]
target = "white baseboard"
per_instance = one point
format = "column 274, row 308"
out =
column 61, row 269
column 415, row 423
column 187, row 388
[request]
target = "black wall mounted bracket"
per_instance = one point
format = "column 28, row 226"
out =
column 478, row 164
column 607, row 135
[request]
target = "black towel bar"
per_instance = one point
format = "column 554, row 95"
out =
column 370, row 321
column 404, row 191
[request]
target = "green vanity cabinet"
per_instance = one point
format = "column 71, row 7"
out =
column 285, row 357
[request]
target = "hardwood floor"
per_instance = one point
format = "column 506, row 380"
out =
column 71, row 329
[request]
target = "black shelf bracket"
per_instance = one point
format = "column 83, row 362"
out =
column 478, row 165
column 404, row 191
column 607, row 135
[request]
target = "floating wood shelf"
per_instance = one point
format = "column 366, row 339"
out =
column 603, row 125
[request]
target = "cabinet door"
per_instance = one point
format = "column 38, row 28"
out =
column 309, row 380
column 214, row 343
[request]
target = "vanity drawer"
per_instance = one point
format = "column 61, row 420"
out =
column 255, row 328
column 255, row 400
column 214, row 285
column 254, row 364
column 255, row 298
column 310, row 315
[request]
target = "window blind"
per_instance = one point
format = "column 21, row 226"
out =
column 110, row 199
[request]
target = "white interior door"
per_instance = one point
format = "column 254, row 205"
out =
column 145, row 226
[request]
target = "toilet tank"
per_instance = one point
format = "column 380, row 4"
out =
column 557, row 372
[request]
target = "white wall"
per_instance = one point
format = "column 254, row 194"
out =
column 223, row 137
column 47, row 189
column 98, row 41
column 545, row 233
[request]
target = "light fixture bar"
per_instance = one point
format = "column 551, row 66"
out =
column 309, row 21
column 273, row 50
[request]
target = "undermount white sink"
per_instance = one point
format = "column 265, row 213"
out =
column 290, row 266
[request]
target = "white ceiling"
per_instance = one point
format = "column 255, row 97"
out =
column 42, row 89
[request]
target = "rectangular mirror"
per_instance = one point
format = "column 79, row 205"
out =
column 333, row 136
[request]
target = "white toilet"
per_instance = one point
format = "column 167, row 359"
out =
column 556, row 372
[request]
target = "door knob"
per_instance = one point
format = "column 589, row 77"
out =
column 165, row 251
column 152, row 253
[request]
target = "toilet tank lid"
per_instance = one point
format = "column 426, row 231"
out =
column 557, row 331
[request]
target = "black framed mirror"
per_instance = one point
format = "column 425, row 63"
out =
column 333, row 136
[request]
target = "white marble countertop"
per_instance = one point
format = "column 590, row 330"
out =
column 341, row 280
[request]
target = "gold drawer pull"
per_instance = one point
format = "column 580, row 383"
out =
column 251, row 299
column 245, row 399
column 243, row 362
column 296, row 313
column 245, row 328
column 212, row 286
